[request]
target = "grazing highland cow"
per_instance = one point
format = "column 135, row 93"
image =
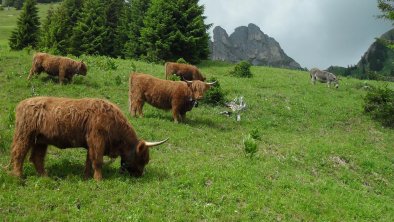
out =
column 323, row 76
column 94, row 124
column 185, row 71
column 56, row 66
column 179, row 96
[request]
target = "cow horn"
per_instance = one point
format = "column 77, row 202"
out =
column 149, row 144
column 190, row 82
column 211, row 83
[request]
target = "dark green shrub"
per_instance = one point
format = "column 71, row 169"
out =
column 379, row 103
column 242, row 69
column 215, row 95
column 26, row 32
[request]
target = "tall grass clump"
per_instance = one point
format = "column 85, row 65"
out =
column 379, row 103
column 250, row 146
column 242, row 69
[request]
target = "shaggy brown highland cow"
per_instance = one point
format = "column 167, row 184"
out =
column 56, row 66
column 179, row 96
column 185, row 71
column 94, row 124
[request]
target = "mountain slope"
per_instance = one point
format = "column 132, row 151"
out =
column 376, row 63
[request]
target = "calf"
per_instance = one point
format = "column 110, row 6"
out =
column 185, row 71
column 56, row 66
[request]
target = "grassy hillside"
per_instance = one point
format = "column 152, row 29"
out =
column 319, row 157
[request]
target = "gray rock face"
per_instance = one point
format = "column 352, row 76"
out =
column 250, row 44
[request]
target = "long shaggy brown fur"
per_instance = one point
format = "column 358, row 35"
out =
column 56, row 66
column 178, row 96
column 95, row 124
column 185, row 71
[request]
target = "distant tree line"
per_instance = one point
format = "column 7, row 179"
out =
column 153, row 30
column 17, row 4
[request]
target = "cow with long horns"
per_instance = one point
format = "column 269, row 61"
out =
column 94, row 124
column 178, row 96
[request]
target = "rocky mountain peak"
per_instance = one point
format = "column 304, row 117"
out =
column 251, row 44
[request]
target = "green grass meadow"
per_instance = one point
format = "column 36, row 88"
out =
column 319, row 157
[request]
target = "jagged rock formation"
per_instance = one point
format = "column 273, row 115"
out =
column 250, row 44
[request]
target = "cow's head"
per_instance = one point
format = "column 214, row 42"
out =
column 135, row 162
column 335, row 81
column 82, row 68
column 198, row 88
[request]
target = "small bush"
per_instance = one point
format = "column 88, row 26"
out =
column 181, row 60
column 106, row 63
column 111, row 65
column 364, row 86
column 250, row 146
column 379, row 103
column 215, row 95
column 242, row 69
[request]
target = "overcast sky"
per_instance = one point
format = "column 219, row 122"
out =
column 315, row 33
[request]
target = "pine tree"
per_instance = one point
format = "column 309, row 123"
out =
column 122, row 30
column 47, row 39
column 57, row 36
column 175, row 29
column 114, row 9
column 68, row 14
column 133, row 47
column 90, row 31
column 194, row 32
column 27, row 30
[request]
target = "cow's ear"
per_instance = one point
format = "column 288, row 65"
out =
column 141, row 147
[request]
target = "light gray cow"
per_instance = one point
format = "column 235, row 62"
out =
column 323, row 76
